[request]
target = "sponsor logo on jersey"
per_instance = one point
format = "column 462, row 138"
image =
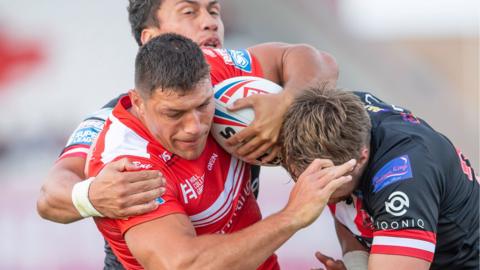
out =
column 208, row 52
column 397, row 204
column 227, row 59
column 374, row 109
column 166, row 156
column 400, row 224
column 245, row 193
column 192, row 187
column 160, row 200
column 409, row 117
column 86, row 132
column 140, row 165
column 395, row 170
column 241, row 59
column 211, row 162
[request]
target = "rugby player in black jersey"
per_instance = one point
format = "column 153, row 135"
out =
column 413, row 202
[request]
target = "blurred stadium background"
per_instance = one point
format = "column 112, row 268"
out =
column 60, row 60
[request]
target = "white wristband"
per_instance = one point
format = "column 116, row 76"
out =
column 81, row 201
column 356, row 260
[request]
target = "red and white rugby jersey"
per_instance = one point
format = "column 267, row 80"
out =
column 351, row 214
column 214, row 190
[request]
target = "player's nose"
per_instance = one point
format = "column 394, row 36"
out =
column 209, row 22
column 192, row 124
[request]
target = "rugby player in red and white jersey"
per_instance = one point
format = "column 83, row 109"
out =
column 208, row 217
column 118, row 194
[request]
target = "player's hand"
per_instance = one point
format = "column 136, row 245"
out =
column 313, row 189
column 329, row 262
column 120, row 190
column 262, row 135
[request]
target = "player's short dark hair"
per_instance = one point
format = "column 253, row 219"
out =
column 142, row 14
column 323, row 123
column 169, row 62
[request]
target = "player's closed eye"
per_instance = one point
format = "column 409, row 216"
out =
column 188, row 11
column 204, row 105
column 174, row 115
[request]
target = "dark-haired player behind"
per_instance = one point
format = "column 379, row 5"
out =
column 413, row 202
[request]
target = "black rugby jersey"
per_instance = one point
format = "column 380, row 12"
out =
column 419, row 192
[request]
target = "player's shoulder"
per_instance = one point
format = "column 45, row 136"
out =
column 120, row 139
column 409, row 165
column 240, row 59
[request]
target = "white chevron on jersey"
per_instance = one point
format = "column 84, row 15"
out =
column 120, row 140
column 224, row 202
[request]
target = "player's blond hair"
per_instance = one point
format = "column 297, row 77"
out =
column 323, row 123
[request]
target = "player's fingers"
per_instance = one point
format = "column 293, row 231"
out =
column 258, row 153
column 139, row 209
column 343, row 168
column 318, row 164
column 242, row 137
column 247, row 148
column 146, row 185
column 323, row 258
column 141, row 175
column 273, row 156
column 241, row 103
column 336, row 183
column 143, row 197
column 120, row 165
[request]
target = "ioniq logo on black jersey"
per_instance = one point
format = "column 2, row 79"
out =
column 397, row 203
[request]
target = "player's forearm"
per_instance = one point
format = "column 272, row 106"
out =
column 54, row 202
column 347, row 240
column 245, row 249
column 304, row 67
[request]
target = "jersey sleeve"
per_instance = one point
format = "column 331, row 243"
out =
column 227, row 63
column 405, row 202
column 86, row 132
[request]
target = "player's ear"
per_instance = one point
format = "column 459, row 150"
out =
column 149, row 33
column 138, row 103
column 364, row 155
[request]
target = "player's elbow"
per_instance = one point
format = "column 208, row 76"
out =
column 45, row 208
column 328, row 68
column 325, row 64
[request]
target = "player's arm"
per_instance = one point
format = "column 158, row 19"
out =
column 357, row 257
column 347, row 240
column 113, row 193
column 415, row 194
column 245, row 249
column 54, row 202
column 295, row 67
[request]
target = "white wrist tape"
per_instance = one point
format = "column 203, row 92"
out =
column 356, row 260
column 80, row 199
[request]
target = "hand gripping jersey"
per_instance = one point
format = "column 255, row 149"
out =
column 418, row 197
column 214, row 191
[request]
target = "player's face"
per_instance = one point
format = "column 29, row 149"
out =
column 180, row 121
column 198, row 20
